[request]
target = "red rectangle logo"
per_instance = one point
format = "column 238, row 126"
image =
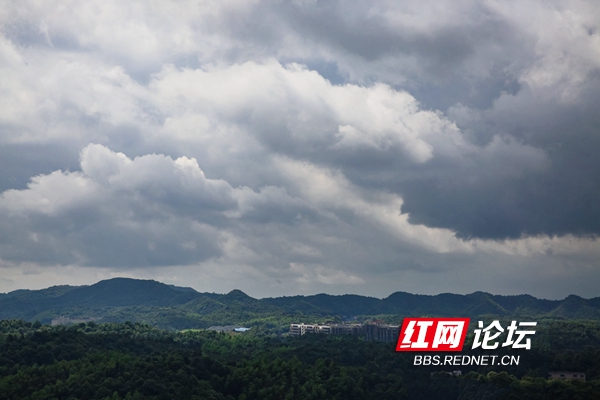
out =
column 432, row 334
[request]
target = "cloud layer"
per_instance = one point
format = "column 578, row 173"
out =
column 301, row 146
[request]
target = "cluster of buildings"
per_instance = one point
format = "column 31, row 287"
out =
column 371, row 332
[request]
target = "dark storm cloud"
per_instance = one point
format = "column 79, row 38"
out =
column 559, row 199
column 473, row 61
column 445, row 43
column 351, row 29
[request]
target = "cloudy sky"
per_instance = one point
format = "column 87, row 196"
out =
column 298, row 147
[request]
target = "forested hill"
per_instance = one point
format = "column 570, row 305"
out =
column 168, row 306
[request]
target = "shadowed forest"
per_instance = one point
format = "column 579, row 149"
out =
column 138, row 361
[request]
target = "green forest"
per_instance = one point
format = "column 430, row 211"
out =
column 137, row 361
column 176, row 308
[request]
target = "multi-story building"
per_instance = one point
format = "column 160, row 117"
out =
column 347, row 329
column 301, row 329
column 381, row 333
column 324, row 329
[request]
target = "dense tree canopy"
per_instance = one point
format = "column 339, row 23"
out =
column 136, row 361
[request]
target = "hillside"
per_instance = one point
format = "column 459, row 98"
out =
column 173, row 307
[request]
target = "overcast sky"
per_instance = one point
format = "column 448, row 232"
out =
column 300, row 147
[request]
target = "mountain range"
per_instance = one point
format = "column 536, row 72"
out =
column 173, row 307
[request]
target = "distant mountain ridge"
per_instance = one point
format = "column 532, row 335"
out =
column 169, row 306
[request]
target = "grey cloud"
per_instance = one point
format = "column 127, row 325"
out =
column 479, row 119
column 559, row 199
column 453, row 54
column 371, row 38
column 273, row 204
column 20, row 161
column 126, row 213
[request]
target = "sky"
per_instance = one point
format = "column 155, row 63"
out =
column 302, row 147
